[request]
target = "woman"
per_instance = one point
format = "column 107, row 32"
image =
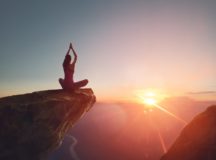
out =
column 68, row 82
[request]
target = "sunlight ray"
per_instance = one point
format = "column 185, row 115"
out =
column 162, row 141
column 169, row 113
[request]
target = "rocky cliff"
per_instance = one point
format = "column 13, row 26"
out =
column 34, row 124
column 197, row 140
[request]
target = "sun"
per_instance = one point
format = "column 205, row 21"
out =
column 149, row 98
column 149, row 101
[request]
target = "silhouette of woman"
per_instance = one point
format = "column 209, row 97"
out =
column 68, row 82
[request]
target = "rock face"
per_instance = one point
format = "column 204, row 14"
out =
column 34, row 124
column 197, row 140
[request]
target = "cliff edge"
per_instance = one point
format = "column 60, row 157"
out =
column 197, row 141
column 34, row 124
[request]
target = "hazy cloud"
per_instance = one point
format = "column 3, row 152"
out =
column 202, row 92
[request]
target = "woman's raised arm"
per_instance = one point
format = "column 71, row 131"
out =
column 69, row 49
column 74, row 52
